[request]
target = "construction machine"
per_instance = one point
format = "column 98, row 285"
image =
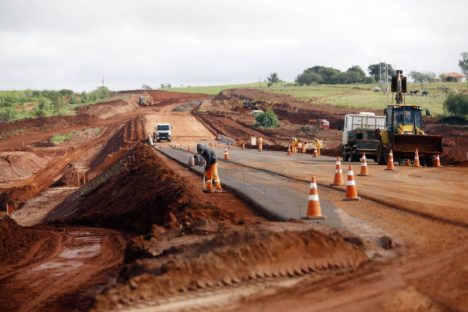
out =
column 403, row 132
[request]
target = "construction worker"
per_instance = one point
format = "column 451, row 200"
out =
column 211, row 169
column 304, row 147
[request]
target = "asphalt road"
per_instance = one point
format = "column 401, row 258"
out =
column 277, row 196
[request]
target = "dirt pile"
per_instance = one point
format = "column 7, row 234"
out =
column 229, row 257
column 135, row 193
column 14, row 240
column 107, row 109
column 454, row 140
column 165, row 97
column 19, row 165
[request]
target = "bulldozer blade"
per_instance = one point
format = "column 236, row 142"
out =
column 426, row 144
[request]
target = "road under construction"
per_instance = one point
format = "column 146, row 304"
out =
column 138, row 233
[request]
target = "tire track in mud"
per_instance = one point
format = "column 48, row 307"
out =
column 78, row 263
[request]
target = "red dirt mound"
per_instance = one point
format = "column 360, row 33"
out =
column 165, row 97
column 14, row 240
column 231, row 257
column 135, row 193
column 19, row 165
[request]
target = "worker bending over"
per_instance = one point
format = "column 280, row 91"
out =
column 211, row 169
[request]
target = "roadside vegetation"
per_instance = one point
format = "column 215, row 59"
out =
column 16, row 105
column 267, row 119
column 58, row 139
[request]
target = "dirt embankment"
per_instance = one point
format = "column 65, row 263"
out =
column 130, row 134
column 107, row 109
column 14, row 242
column 454, row 140
column 227, row 115
column 135, row 193
column 46, row 124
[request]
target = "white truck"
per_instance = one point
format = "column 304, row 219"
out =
column 162, row 132
column 360, row 135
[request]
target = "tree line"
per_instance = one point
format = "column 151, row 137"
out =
column 43, row 103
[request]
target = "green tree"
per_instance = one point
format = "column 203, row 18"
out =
column 374, row 71
column 273, row 79
column 422, row 77
column 84, row 97
column 463, row 63
column 308, row 78
column 457, row 104
column 102, row 92
column 267, row 119
column 354, row 74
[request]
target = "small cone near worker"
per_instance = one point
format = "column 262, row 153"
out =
column 351, row 189
column 338, row 180
column 364, row 170
column 314, row 210
column 211, row 169
column 437, row 161
column 226, row 153
column 416, row 159
column 390, row 164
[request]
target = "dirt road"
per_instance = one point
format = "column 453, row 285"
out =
column 437, row 192
column 186, row 128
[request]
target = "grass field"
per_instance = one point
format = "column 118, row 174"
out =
column 213, row 90
column 363, row 96
column 353, row 96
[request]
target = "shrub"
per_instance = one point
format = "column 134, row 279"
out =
column 267, row 119
column 457, row 104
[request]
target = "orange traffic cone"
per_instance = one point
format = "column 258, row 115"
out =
column 416, row 159
column 226, row 154
column 289, row 150
column 243, row 146
column 351, row 189
column 313, row 206
column 407, row 162
column 364, row 170
column 338, row 180
column 390, row 164
column 437, row 161
column 191, row 161
column 315, row 153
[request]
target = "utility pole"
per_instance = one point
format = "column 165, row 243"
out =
column 103, row 81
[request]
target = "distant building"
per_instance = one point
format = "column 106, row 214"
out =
column 452, row 77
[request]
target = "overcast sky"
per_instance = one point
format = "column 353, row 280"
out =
column 52, row 44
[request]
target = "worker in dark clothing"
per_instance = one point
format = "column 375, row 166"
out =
column 211, row 169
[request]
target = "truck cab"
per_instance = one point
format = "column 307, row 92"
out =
column 360, row 135
column 162, row 132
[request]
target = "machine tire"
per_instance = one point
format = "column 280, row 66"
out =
column 381, row 155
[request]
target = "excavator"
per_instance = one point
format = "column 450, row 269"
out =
column 403, row 132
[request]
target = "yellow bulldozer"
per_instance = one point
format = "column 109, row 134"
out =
column 403, row 132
